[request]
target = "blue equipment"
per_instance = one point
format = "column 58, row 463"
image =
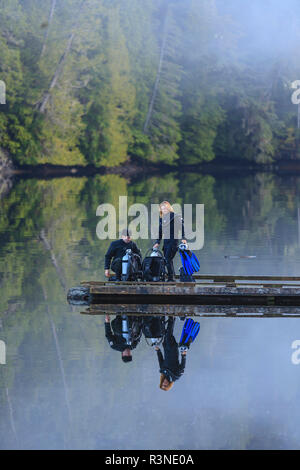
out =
column 189, row 334
column 190, row 262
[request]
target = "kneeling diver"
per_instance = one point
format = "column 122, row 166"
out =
column 116, row 251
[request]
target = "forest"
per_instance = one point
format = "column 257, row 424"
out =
column 102, row 82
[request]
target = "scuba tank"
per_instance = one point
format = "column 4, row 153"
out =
column 125, row 330
column 155, row 252
column 125, row 262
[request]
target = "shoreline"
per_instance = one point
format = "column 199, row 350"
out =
column 134, row 168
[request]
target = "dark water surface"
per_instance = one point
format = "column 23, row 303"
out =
column 62, row 385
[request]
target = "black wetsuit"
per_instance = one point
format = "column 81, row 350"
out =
column 115, row 252
column 170, row 365
column 172, row 227
column 113, row 333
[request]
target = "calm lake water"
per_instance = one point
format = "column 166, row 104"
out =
column 63, row 387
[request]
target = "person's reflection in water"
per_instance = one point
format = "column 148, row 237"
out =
column 114, row 335
column 170, row 367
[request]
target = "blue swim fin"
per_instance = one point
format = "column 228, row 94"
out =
column 190, row 336
column 186, row 263
column 195, row 262
column 193, row 333
column 186, row 330
column 182, row 257
column 190, row 262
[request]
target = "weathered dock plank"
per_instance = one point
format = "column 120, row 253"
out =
column 209, row 311
column 208, row 290
column 225, row 278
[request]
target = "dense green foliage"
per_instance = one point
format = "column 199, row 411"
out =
column 98, row 81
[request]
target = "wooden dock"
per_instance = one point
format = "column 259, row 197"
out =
column 202, row 311
column 208, row 290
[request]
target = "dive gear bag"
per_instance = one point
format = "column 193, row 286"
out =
column 154, row 266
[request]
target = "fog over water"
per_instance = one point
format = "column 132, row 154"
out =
column 63, row 387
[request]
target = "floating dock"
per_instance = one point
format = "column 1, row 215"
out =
column 208, row 290
column 203, row 311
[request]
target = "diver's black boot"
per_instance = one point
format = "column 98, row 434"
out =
column 115, row 278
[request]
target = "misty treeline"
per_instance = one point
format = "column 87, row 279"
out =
column 172, row 81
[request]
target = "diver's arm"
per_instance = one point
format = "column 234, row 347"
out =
column 182, row 231
column 108, row 257
column 183, row 362
column 157, row 243
column 136, row 250
column 160, row 357
column 108, row 333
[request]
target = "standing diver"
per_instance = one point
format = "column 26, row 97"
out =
column 170, row 368
column 170, row 226
column 116, row 251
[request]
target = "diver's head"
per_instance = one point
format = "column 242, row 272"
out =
column 164, row 208
column 126, row 355
column 126, row 235
column 165, row 384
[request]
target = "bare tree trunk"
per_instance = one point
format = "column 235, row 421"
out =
column 11, row 416
column 48, row 247
column 58, row 352
column 55, row 263
column 60, row 66
column 158, row 74
column 51, row 14
column 9, row 404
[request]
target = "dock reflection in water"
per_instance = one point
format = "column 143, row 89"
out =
column 155, row 323
column 193, row 310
